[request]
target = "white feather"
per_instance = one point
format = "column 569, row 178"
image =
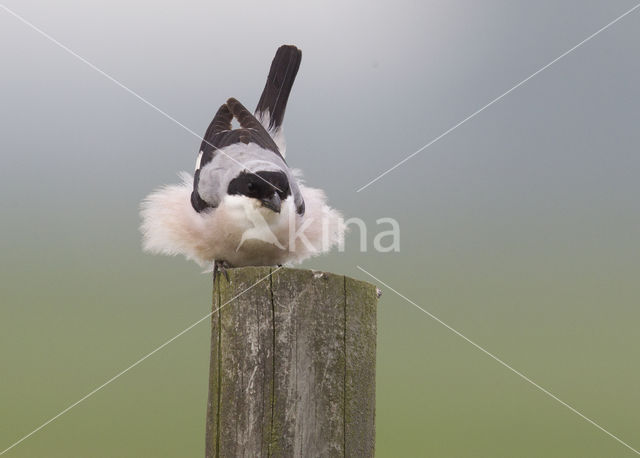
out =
column 277, row 134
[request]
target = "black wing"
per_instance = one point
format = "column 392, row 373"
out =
column 220, row 132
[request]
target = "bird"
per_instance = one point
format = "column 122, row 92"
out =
column 244, row 205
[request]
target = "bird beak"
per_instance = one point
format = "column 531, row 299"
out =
column 272, row 203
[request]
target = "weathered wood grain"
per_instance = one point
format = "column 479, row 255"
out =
column 292, row 365
column 360, row 382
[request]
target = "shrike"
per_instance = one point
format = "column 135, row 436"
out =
column 244, row 206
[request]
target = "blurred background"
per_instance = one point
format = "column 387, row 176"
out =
column 520, row 229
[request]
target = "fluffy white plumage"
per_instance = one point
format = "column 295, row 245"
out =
column 171, row 226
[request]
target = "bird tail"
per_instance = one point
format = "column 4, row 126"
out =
column 273, row 102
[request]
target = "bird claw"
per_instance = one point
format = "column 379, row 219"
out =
column 221, row 266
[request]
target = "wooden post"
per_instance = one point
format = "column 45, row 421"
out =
column 292, row 365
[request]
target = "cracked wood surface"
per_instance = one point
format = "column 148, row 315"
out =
column 292, row 365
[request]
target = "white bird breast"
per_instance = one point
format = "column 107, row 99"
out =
column 239, row 231
column 253, row 231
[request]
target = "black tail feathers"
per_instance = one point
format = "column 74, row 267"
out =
column 275, row 95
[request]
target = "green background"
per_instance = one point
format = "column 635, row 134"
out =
column 520, row 229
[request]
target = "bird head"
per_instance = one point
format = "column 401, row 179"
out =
column 269, row 188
